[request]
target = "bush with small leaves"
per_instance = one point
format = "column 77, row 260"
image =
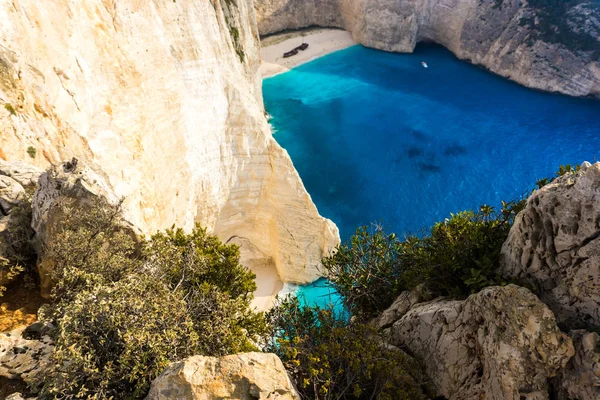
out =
column 329, row 359
column 112, row 340
column 456, row 257
column 125, row 307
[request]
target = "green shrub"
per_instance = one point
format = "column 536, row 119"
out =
column 456, row 257
column 125, row 307
column 31, row 151
column 9, row 107
column 329, row 359
column 217, row 288
column 113, row 340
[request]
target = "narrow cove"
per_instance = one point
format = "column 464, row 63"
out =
column 377, row 138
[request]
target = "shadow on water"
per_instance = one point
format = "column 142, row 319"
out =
column 455, row 150
column 415, row 152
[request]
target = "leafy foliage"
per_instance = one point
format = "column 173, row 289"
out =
column 331, row 360
column 113, row 340
column 125, row 307
column 456, row 257
column 562, row 171
column 216, row 287
column 31, row 151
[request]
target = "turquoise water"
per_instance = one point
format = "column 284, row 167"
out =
column 378, row 138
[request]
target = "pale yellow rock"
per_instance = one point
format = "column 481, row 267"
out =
column 154, row 96
column 246, row 376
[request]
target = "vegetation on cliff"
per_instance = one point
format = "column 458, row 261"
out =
column 124, row 308
column 331, row 359
column 456, row 257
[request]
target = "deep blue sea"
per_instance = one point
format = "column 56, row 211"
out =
column 378, row 138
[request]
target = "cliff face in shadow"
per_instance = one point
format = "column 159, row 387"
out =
column 539, row 44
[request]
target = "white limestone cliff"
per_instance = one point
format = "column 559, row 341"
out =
column 162, row 99
column 496, row 34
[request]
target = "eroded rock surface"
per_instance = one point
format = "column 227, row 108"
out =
column 554, row 246
column 581, row 377
column 246, row 376
column 501, row 343
column 24, row 359
column 500, row 35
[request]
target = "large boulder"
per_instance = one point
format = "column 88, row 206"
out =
column 25, row 174
column 501, row 343
column 554, row 247
column 581, row 378
column 247, row 376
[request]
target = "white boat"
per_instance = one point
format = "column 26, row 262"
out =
column 424, row 64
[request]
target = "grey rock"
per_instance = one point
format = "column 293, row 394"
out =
column 69, row 183
column 23, row 359
column 26, row 174
column 581, row 377
column 11, row 194
column 501, row 343
column 554, row 247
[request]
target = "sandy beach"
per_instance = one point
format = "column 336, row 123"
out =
column 321, row 42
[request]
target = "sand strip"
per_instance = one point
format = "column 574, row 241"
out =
column 321, row 42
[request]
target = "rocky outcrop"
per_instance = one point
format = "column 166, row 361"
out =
column 24, row 359
column 501, row 343
column 581, row 378
column 508, row 37
column 66, row 184
column 163, row 100
column 554, row 246
column 247, row 376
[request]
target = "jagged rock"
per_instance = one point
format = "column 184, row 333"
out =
column 26, row 174
column 554, row 246
column 491, row 33
column 68, row 183
column 24, row 359
column 501, row 343
column 581, row 377
column 11, row 193
column 247, row 376
column 401, row 306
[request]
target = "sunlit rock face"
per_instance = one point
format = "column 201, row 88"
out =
column 495, row 34
column 163, row 100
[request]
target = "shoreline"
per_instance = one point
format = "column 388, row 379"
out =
column 321, row 41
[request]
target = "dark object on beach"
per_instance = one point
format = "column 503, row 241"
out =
column 290, row 53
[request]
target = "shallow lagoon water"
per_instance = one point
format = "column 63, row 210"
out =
column 376, row 137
